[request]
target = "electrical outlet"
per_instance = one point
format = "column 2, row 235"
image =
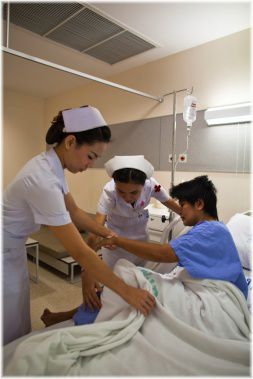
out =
column 182, row 158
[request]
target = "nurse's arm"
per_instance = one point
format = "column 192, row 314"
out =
column 82, row 220
column 71, row 239
column 89, row 285
column 92, row 238
column 173, row 205
column 145, row 250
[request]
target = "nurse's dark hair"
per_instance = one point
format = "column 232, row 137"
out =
column 198, row 188
column 129, row 175
column 55, row 133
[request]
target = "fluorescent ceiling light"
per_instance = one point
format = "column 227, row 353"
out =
column 230, row 114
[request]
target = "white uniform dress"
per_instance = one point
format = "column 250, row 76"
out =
column 34, row 197
column 126, row 220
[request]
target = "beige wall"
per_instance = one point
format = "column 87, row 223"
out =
column 219, row 71
column 23, row 131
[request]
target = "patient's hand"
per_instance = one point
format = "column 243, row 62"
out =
column 108, row 242
column 90, row 288
column 92, row 242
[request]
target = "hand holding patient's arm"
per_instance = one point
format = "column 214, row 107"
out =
column 149, row 251
column 93, row 239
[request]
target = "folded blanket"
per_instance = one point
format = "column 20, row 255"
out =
column 198, row 327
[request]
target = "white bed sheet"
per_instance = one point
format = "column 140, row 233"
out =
column 199, row 327
column 10, row 348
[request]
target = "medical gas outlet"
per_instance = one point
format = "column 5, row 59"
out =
column 181, row 158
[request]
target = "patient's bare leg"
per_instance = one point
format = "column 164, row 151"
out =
column 51, row 318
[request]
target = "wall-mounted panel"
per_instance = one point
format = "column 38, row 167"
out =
column 224, row 148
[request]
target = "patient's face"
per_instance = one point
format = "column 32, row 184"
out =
column 189, row 213
column 130, row 192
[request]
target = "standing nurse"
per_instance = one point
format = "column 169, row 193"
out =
column 39, row 195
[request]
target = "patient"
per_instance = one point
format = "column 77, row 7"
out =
column 207, row 251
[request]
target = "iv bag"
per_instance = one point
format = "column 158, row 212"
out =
column 190, row 108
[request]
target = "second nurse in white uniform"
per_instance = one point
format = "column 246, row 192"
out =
column 121, row 208
column 39, row 195
column 122, row 204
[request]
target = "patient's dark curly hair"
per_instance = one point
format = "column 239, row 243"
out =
column 198, row 188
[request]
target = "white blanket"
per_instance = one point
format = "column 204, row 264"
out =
column 198, row 327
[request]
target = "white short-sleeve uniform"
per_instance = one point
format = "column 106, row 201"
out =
column 34, row 197
column 126, row 220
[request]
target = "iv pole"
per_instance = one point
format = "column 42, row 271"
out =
column 173, row 161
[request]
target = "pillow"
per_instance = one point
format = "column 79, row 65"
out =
column 240, row 228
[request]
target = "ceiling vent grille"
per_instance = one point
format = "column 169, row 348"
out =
column 80, row 28
column 84, row 30
column 123, row 46
column 41, row 17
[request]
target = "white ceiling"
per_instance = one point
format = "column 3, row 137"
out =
column 172, row 26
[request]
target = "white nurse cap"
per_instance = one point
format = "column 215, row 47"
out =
column 81, row 119
column 129, row 161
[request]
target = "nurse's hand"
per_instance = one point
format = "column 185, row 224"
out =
column 109, row 243
column 140, row 299
column 93, row 242
column 90, row 288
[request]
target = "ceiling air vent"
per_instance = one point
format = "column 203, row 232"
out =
column 41, row 17
column 84, row 30
column 76, row 26
column 121, row 47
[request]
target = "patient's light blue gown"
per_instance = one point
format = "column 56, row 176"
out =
column 208, row 251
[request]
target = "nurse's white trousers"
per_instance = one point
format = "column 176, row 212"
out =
column 16, row 302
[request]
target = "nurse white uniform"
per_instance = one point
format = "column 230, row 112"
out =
column 34, row 197
column 126, row 220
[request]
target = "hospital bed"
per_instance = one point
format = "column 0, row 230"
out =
column 178, row 338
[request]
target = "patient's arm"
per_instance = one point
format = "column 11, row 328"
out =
column 149, row 251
